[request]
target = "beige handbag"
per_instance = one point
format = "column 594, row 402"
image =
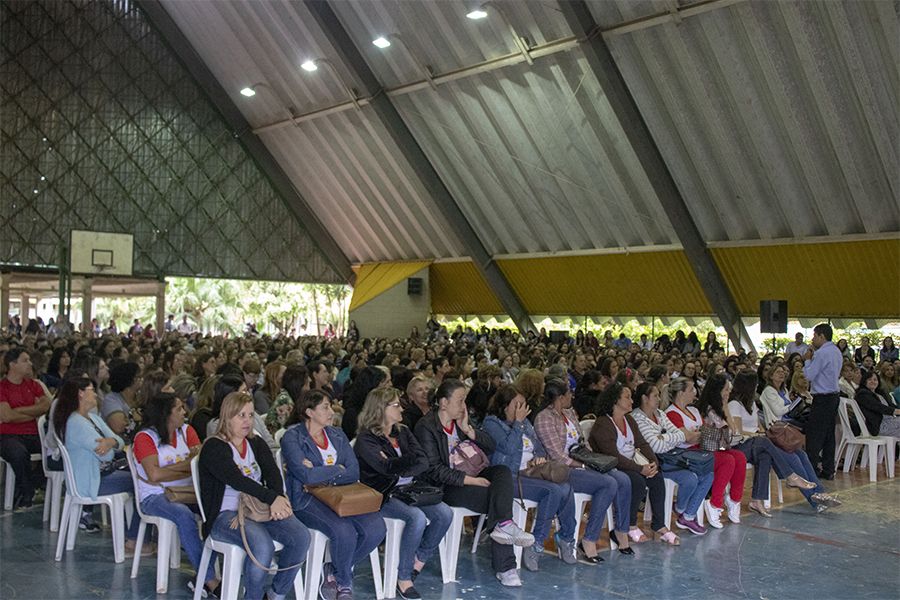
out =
column 250, row 507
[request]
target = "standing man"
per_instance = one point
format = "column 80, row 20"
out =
column 822, row 368
column 22, row 401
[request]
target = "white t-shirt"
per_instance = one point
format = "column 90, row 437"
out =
column 690, row 419
column 749, row 421
column 624, row 441
column 248, row 467
column 527, row 451
column 167, row 455
column 327, row 452
column 452, row 436
column 572, row 433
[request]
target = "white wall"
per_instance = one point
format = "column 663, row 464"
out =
column 394, row 312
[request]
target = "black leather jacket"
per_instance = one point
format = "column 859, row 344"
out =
column 873, row 409
column 431, row 435
column 379, row 466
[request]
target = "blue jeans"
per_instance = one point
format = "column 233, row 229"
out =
column 802, row 466
column 116, row 483
column 352, row 538
column 603, row 489
column 420, row 537
column 553, row 499
column 290, row 532
column 764, row 455
column 692, row 489
column 157, row 505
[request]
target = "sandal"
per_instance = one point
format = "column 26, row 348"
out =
column 670, row 538
column 637, row 536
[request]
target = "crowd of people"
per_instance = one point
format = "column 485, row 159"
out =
column 477, row 420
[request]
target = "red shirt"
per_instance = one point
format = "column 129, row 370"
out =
column 18, row 396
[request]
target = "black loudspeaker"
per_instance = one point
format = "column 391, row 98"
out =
column 558, row 337
column 414, row 286
column 773, row 316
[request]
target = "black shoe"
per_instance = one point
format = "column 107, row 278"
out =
column 582, row 556
column 87, row 523
column 410, row 594
column 415, row 574
column 615, row 540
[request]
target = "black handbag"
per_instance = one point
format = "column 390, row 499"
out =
column 696, row 461
column 593, row 460
column 418, row 494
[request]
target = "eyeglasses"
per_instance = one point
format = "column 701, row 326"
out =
column 397, row 403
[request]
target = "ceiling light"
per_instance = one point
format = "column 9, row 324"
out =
column 477, row 14
column 309, row 66
column 381, row 42
column 249, row 92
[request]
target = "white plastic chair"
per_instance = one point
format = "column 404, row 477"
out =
column 449, row 547
column 9, row 489
column 586, row 426
column 55, row 479
column 118, row 504
column 879, row 447
column 232, row 556
column 580, row 501
column 318, row 553
column 392, row 555
column 168, row 551
column 520, row 517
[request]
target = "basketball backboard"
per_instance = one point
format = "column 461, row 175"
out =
column 99, row 252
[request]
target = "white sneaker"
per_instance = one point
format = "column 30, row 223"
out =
column 713, row 515
column 510, row 534
column 509, row 578
column 734, row 510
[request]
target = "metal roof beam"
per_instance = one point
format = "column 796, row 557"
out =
column 382, row 109
column 242, row 131
column 601, row 62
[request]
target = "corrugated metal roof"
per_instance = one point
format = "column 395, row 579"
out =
column 531, row 153
column 346, row 167
column 839, row 279
column 776, row 119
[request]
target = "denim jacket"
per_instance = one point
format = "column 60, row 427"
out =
column 297, row 445
column 509, row 441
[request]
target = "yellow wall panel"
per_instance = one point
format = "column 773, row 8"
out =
column 457, row 288
column 834, row 279
column 642, row 283
column 375, row 278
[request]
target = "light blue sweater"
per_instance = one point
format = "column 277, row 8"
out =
column 81, row 443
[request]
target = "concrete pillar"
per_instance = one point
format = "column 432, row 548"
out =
column 160, row 308
column 87, row 301
column 4, row 300
column 26, row 308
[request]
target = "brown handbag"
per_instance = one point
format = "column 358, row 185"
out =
column 183, row 494
column 251, row 507
column 786, row 436
column 348, row 500
column 549, row 471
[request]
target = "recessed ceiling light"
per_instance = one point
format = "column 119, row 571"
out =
column 249, row 92
column 309, row 66
column 477, row 14
column 381, row 42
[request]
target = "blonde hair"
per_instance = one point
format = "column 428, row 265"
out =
column 205, row 393
column 530, row 383
column 415, row 381
column 231, row 406
column 371, row 417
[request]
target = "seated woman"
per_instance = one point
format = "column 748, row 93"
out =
column 489, row 492
column 389, row 457
column 317, row 453
column 163, row 450
column 775, row 400
column 730, row 466
column 558, row 430
column 615, row 433
column 234, row 461
column 882, row 417
column 794, row 467
column 91, row 445
column 121, row 408
column 663, row 436
column 517, row 448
